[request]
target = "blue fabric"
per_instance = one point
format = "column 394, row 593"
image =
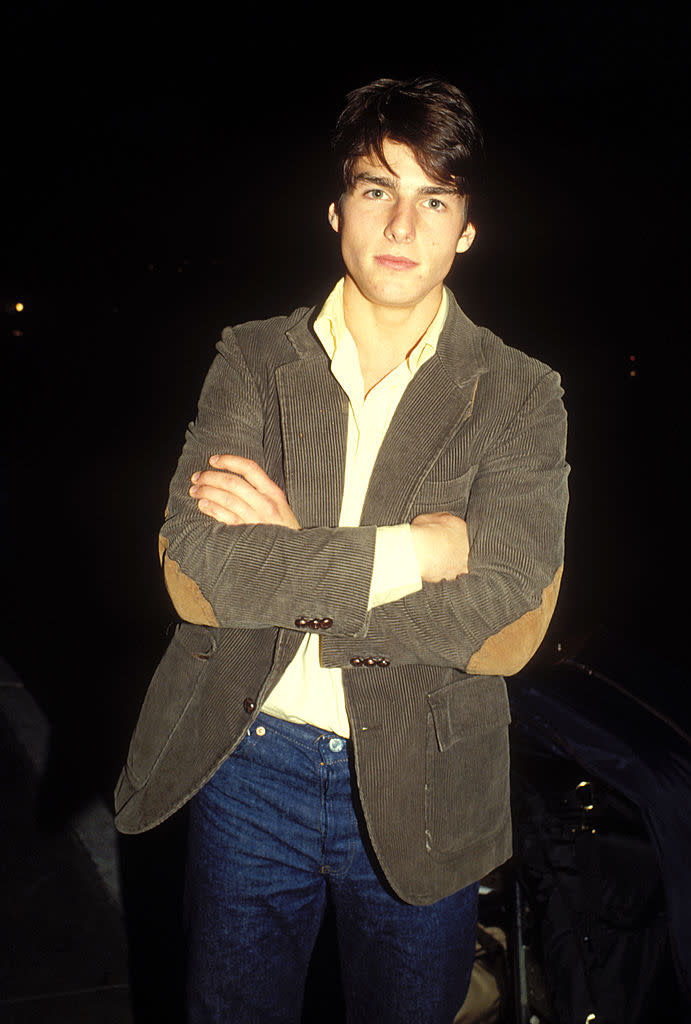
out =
column 273, row 836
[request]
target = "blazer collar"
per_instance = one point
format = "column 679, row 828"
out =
column 459, row 348
column 314, row 411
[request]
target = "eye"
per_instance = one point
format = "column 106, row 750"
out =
column 375, row 193
column 435, row 204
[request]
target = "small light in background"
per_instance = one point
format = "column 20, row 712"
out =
column 632, row 371
column 19, row 306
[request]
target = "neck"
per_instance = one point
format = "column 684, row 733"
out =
column 384, row 335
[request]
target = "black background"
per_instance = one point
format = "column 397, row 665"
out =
column 167, row 174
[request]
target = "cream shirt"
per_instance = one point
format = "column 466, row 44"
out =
column 308, row 692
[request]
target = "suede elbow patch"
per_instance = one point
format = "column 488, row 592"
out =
column 189, row 602
column 506, row 652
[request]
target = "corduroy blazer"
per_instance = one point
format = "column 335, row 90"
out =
column 480, row 432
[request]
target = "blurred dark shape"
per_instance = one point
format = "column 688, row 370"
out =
column 602, row 805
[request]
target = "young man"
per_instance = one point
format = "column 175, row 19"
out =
column 364, row 534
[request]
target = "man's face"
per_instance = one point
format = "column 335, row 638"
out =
column 400, row 233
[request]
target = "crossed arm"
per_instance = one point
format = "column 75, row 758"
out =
column 238, row 492
column 484, row 613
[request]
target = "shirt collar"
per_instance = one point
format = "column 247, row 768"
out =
column 330, row 328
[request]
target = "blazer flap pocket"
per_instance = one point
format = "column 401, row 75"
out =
column 199, row 641
column 168, row 697
column 442, row 495
column 470, row 705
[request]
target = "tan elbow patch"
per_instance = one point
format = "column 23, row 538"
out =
column 507, row 651
column 189, row 602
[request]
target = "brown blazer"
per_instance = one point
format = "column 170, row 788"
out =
column 480, row 431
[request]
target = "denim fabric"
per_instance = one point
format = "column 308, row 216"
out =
column 273, row 835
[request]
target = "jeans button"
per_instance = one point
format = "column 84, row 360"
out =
column 336, row 744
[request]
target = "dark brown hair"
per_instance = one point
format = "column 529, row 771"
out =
column 430, row 116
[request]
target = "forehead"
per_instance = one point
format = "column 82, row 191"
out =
column 400, row 166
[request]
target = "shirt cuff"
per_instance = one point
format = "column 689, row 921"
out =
column 395, row 573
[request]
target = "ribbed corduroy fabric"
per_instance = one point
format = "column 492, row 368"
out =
column 480, row 431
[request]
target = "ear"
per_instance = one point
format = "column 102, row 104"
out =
column 467, row 238
column 334, row 219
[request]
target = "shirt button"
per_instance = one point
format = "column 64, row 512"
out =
column 248, row 705
column 336, row 744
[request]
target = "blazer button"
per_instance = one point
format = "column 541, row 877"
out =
column 327, row 623
column 370, row 662
column 249, row 705
column 383, row 662
column 314, row 623
column 356, row 662
column 301, row 622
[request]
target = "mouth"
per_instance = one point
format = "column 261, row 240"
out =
column 395, row 262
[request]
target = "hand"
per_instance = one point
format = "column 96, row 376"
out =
column 441, row 545
column 237, row 491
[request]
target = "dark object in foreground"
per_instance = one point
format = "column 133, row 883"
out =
column 602, row 808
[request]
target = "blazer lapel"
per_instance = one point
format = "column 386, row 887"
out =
column 438, row 400
column 314, row 424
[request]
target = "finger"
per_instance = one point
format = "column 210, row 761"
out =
column 219, row 513
column 221, row 480
column 231, row 483
column 228, row 500
column 249, row 471
column 235, row 493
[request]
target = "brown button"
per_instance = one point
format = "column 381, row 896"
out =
column 301, row 622
column 327, row 623
column 384, row 662
column 249, row 705
column 370, row 662
column 314, row 623
column 356, row 662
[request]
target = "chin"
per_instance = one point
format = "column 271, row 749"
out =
column 402, row 297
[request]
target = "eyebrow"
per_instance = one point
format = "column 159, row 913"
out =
column 391, row 183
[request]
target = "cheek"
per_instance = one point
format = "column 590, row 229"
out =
column 442, row 251
column 355, row 242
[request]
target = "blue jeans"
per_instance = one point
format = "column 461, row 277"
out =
column 273, row 836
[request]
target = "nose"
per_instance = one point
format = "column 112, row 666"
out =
column 401, row 226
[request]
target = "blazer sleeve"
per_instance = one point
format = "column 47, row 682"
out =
column 489, row 621
column 254, row 576
column 492, row 619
